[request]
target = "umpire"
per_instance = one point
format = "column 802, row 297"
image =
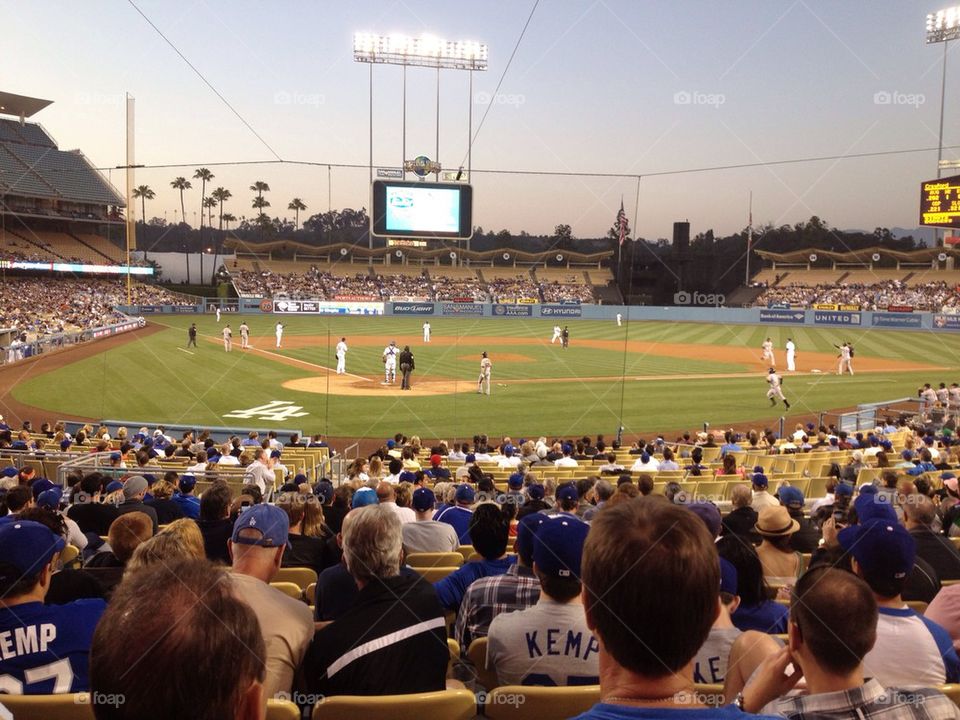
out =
column 192, row 335
column 406, row 367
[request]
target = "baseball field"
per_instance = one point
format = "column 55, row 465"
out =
column 656, row 376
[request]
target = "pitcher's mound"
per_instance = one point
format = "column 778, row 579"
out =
column 349, row 385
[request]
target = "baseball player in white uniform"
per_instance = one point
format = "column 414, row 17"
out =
column 557, row 332
column 227, row 339
column 776, row 389
column 619, row 320
column 218, row 313
column 483, row 382
column 244, row 336
column 426, row 331
column 954, row 397
column 279, row 333
column 943, row 395
column 928, row 398
column 767, row 347
column 390, row 353
column 791, row 355
column 342, row 356
column 846, row 355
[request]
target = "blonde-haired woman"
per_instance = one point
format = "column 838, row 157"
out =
column 181, row 540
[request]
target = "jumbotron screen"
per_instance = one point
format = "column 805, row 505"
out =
column 422, row 209
column 940, row 202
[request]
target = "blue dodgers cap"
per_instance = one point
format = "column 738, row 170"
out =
column 9, row 472
column 407, row 476
column 50, row 499
column 423, row 499
column 470, row 458
column 65, row 444
column 187, row 482
column 568, row 492
column 558, row 546
column 391, row 444
column 515, row 481
column 536, row 491
column 790, row 496
column 728, row 577
column 465, row 493
column 885, row 550
column 324, row 490
column 274, row 454
column 760, row 480
column 644, row 457
column 710, row 515
column 114, row 486
column 25, row 548
column 526, row 529
column 263, row 525
column 872, row 507
column 300, row 478
column 114, row 456
column 41, row 485
column 364, row 496
column 843, row 488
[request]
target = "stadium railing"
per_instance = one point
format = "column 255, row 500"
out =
column 20, row 351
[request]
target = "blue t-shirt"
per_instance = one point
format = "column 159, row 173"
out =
column 45, row 649
column 609, row 711
column 189, row 504
column 459, row 518
column 453, row 587
column 768, row 617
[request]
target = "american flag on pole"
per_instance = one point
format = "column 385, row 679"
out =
column 622, row 222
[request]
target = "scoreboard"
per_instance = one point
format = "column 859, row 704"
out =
column 940, row 202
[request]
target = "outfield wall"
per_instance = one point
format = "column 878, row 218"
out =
column 567, row 312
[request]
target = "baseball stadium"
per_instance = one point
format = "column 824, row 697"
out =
column 283, row 369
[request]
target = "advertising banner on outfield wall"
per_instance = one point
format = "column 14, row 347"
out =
column 782, row 316
column 513, row 310
column 461, row 308
column 560, row 311
column 946, row 322
column 326, row 307
column 821, row 317
column 896, row 320
column 413, row 308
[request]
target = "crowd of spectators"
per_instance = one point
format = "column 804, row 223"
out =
column 322, row 285
column 929, row 296
column 593, row 561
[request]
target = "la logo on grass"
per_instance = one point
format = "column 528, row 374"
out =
column 275, row 410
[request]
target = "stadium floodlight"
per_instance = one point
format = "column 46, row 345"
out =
column 424, row 51
column 943, row 25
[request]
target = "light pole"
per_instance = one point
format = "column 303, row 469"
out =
column 942, row 27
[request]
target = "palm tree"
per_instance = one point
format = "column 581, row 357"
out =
column 260, row 187
column 210, row 203
column 144, row 193
column 203, row 175
column 221, row 195
column 228, row 218
column 181, row 184
column 296, row 205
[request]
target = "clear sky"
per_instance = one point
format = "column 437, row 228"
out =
column 632, row 86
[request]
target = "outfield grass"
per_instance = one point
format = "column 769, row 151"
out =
column 151, row 380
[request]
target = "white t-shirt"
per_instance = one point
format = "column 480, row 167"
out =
column 406, row 515
column 547, row 644
column 509, row 462
column 429, row 536
column 907, row 653
column 566, row 462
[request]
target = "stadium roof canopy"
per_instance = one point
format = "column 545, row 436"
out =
column 859, row 257
column 21, row 106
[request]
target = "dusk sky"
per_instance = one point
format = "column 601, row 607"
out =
column 621, row 86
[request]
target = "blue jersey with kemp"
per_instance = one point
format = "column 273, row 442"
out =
column 45, row 649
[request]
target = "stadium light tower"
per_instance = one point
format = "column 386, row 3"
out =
column 425, row 51
column 942, row 27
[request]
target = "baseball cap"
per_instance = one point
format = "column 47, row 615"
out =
column 791, row 496
column 526, row 529
column 760, row 480
column 535, row 491
column 728, row 577
column 114, row 486
column 644, row 457
column 470, row 458
column 558, row 546
column 272, row 524
column 134, row 486
column 407, row 476
column 710, row 515
column 9, row 472
column 568, row 492
column 25, row 547
column 50, row 498
column 465, row 493
column 423, row 499
column 843, row 488
column 115, row 456
column 885, row 550
column 40, row 485
column 299, row 478
column 187, row 482
column 364, row 496
column 324, row 490
column 274, row 454
column 872, row 507
column 64, row 444
column 391, row 444
column 435, row 460
column 515, row 481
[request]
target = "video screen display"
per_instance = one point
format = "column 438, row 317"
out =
column 422, row 209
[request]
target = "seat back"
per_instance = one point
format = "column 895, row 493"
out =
column 434, row 559
column 477, row 654
column 433, row 574
column 282, row 710
column 288, row 588
column 66, row 706
column 527, row 702
column 302, row 577
column 440, row 705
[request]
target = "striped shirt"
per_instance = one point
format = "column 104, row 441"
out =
column 486, row 598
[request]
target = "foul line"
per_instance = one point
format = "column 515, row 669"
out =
column 285, row 358
column 183, row 350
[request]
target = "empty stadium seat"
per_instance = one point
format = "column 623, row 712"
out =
column 528, row 702
column 477, row 654
column 434, row 559
column 441, row 705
